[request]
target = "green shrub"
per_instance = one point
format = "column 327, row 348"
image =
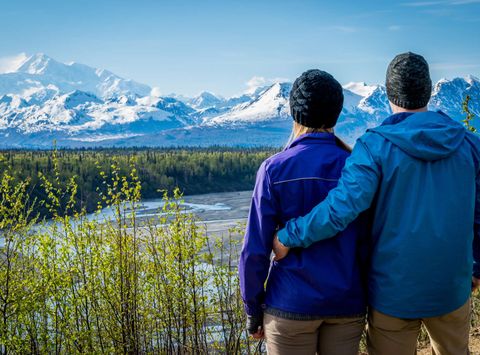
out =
column 79, row 285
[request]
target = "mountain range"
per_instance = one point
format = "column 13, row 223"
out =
column 43, row 101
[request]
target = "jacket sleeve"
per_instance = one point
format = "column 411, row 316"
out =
column 255, row 256
column 353, row 195
column 476, row 230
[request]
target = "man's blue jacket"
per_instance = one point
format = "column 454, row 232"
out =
column 419, row 173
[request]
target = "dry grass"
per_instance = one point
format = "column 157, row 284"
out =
column 474, row 345
column 425, row 349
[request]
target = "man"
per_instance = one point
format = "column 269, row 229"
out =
column 419, row 173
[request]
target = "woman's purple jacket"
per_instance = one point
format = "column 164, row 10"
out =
column 324, row 280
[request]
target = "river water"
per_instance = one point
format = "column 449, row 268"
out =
column 217, row 211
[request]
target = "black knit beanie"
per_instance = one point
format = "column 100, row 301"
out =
column 316, row 99
column 408, row 81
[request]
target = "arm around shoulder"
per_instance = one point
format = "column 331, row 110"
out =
column 354, row 194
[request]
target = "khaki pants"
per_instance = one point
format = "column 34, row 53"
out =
column 448, row 334
column 336, row 336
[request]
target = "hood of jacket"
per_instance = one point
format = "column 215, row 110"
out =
column 425, row 135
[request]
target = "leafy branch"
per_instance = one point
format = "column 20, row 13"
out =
column 470, row 116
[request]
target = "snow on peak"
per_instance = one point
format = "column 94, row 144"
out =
column 449, row 95
column 457, row 85
column 472, row 79
column 360, row 88
column 40, row 71
column 206, row 99
column 282, row 89
column 36, row 64
column 208, row 94
column 438, row 86
column 461, row 81
column 271, row 104
column 47, row 98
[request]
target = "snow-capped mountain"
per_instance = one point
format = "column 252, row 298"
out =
column 270, row 104
column 44, row 100
column 40, row 73
column 448, row 96
column 363, row 107
column 79, row 114
column 205, row 100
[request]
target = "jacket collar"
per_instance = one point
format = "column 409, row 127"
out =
column 402, row 116
column 396, row 118
column 313, row 138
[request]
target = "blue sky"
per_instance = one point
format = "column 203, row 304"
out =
column 224, row 46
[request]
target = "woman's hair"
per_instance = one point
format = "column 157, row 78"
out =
column 298, row 130
column 342, row 144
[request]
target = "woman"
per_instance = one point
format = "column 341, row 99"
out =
column 313, row 300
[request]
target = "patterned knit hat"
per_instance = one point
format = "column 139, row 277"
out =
column 408, row 81
column 316, row 99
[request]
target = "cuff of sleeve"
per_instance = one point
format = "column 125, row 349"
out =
column 283, row 237
column 254, row 311
column 254, row 323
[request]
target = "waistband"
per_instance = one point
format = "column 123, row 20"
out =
column 300, row 316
